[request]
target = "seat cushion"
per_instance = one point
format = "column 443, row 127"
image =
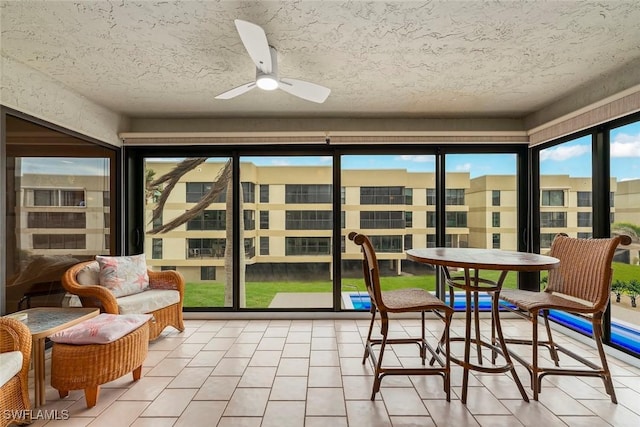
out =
column 102, row 329
column 147, row 301
column 10, row 365
column 123, row 275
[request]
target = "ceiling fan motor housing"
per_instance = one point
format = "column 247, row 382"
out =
column 268, row 81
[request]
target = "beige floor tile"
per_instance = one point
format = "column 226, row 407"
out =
column 301, row 326
column 154, row 422
column 219, row 344
column 403, row 401
column 167, row 368
column 190, row 378
column 532, row 413
column 240, row 422
column 271, row 343
column 125, row 412
column 148, row 388
column 266, row 358
column 324, row 358
column 206, row 358
column 616, row 415
column 350, row 350
column 325, row 331
column 324, row 343
column 247, row 402
column 403, row 421
column 560, row 403
column 106, row 398
column 276, row 331
column 302, row 337
column 481, row 402
column 358, row 387
column 170, row 403
column 428, row 386
column 354, row 366
column 211, row 325
column 293, row 367
column 283, row 414
column 249, row 337
column 367, row 413
column 296, row 350
column 256, row 326
column 451, row 413
column 325, row 376
column 217, row 388
column 231, row 366
column 200, row 337
column 241, row 350
column 71, row 422
column 325, row 401
column 229, row 332
column 186, row 350
column 498, row 421
column 325, row 422
column 258, row 376
column 166, row 344
column 201, row 413
column 289, row 388
column 153, row 358
column 584, row 421
column 349, row 337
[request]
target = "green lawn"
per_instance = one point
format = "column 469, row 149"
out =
column 260, row 294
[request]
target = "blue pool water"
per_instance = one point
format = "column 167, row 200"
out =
column 624, row 336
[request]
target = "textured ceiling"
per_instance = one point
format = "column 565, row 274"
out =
column 384, row 58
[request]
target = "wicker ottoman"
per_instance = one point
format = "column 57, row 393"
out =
column 76, row 367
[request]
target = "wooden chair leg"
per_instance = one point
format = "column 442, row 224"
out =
column 378, row 368
column 137, row 373
column 606, row 374
column 91, row 396
column 534, row 357
column 368, row 340
column 63, row 393
column 552, row 346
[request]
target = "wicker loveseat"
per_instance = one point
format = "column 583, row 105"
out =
column 163, row 298
column 15, row 355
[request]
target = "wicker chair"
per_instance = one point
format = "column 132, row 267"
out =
column 402, row 301
column 94, row 295
column 580, row 286
column 14, row 394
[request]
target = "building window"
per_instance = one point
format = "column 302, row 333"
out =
column 553, row 219
column 585, row 235
column 196, row 190
column 264, row 245
column 307, row 246
column 387, row 243
column 307, row 193
column 107, row 220
column 408, row 219
column 431, row 196
column 157, row 222
column 382, row 196
column 106, row 198
column 552, row 198
column 343, row 195
column 248, row 192
column 207, row 273
column 431, row 240
column 546, row 239
column 308, row 220
column 408, row 196
column 264, row 193
column 210, row 248
column 584, row 199
column 496, row 240
column 249, row 219
column 167, row 268
column 495, row 219
column 156, row 248
column 107, row 241
column 264, row 220
column 343, row 244
column 585, row 219
column 54, row 197
column 456, row 219
column 57, row 220
column 59, row 241
column 209, row 220
column 250, row 247
column 495, row 197
column 382, row 219
column 611, row 199
column 343, row 218
column 408, row 241
column 454, row 196
column 431, row 219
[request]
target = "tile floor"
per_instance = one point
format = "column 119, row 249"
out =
column 308, row 373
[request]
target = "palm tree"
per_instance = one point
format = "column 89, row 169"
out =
column 221, row 183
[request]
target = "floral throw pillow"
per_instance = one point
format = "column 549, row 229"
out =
column 123, row 275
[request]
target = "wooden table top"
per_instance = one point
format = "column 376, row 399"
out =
column 483, row 259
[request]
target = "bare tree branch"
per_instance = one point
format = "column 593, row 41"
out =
column 218, row 187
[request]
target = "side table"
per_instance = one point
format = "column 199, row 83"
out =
column 42, row 322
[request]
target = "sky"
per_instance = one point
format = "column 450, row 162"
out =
column 572, row 158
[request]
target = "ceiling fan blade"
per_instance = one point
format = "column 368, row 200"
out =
column 305, row 90
column 237, row 91
column 255, row 41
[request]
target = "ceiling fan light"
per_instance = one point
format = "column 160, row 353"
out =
column 267, row 82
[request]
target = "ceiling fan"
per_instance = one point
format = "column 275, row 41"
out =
column 265, row 57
